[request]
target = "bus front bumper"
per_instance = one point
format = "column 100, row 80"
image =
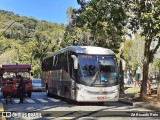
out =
column 82, row 97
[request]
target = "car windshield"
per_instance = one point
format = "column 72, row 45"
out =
column 95, row 69
column 24, row 74
column 9, row 75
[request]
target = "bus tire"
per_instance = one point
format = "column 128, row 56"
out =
column 29, row 94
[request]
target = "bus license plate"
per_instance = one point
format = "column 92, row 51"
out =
column 100, row 98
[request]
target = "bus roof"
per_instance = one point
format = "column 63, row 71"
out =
column 16, row 68
column 86, row 50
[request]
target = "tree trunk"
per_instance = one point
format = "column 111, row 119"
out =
column 143, row 92
column 121, row 79
column 144, row 81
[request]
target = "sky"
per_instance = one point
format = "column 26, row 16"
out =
column 49, row 10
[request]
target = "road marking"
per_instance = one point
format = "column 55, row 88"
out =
column 30, row 100
column 33, row 100
column 16, row 101
column 41, row 100
column 54, row 100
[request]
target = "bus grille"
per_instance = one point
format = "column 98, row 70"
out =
column 100, row 92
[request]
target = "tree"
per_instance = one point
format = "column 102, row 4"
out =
column 145, row 17
column 43, row 45
column 133, row 54
column 27, row 41
column 70, row 14
column 99, row 26
column 11, row 54
column 73, row 35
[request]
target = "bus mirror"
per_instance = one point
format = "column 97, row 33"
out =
column 75, row 59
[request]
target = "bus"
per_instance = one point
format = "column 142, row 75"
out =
column 82, row 74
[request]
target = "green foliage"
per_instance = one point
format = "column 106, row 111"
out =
column 145, row 16
column 155, row 67
column 36, row 70
column 97, row 25
column 134, row 52
column 26, row 40
column 132, row 90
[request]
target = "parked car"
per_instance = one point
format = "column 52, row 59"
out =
column 37, row 84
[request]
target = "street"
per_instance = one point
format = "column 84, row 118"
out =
column 51, row 108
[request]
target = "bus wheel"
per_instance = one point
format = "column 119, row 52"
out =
column 29, row 94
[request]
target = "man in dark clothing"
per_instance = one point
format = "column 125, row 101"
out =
column 21, row 90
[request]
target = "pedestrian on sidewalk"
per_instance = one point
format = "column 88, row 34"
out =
column 21, row 90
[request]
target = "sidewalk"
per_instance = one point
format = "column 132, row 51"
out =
column 127, row 99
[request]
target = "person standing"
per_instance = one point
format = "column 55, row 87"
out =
column 21, row 90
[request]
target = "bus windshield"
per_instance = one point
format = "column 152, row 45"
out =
column 98, row 70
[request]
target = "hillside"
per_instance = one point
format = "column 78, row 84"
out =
column 27, row 40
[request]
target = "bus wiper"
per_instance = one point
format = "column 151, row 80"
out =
column 95, row 77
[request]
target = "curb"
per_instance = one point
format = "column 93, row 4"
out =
column 147, row 105
column 126, row 102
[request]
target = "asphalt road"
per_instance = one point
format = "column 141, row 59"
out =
column 41, row 107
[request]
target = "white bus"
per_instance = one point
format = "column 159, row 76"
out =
column 82, row 73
